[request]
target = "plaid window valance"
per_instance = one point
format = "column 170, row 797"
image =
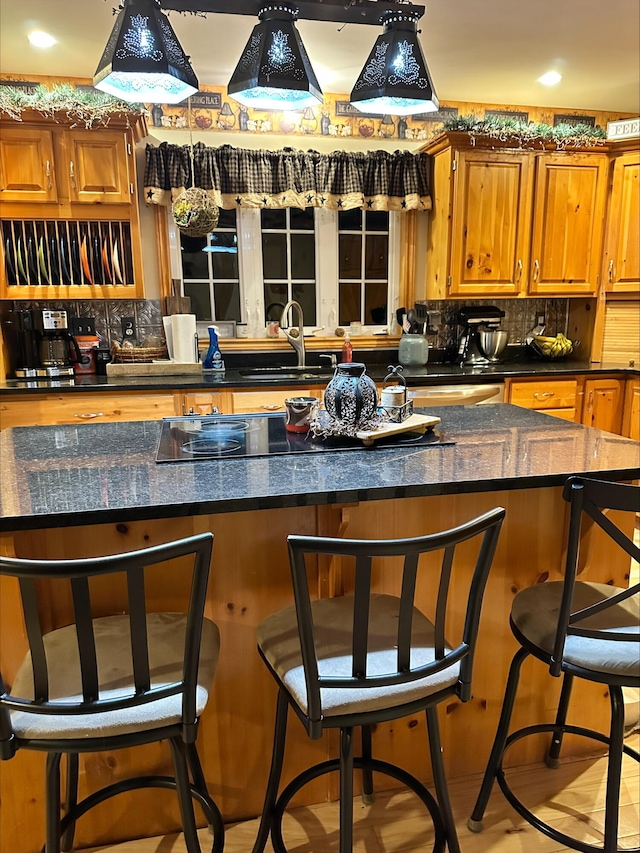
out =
column 237, row 177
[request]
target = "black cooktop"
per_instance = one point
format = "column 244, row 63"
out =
column 189, row 439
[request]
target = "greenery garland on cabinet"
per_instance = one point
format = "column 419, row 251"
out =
column 78, row 105
column 527, row 134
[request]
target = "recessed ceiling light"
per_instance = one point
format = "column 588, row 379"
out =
column 40, row 39
column 551, row 78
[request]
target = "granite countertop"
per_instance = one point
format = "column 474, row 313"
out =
column 432, row 374
column 55, row 476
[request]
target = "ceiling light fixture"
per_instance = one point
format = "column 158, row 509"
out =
column 40, row 39
column 551, row 78
column 395, row 79
column 274, row 71
column 143, row 60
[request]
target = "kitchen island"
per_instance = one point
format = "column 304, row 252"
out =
column 97, row 489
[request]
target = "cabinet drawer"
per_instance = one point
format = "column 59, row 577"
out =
column 87, row 408
column 545, row 395
column 260, row 401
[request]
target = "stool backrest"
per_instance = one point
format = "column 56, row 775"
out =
column 78, row 572
column 486, row 528
column 593, row 498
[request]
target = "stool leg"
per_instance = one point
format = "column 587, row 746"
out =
column 71, row 800
column 614, row 770
column 475, row 821
column 277, row 758
column 553, row 756
column 368, row 794
column 52, row 844
column 440, row 779
column 184, row 795
column 346, row 790
column 216, row 824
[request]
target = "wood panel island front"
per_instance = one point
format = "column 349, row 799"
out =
column 94, row 489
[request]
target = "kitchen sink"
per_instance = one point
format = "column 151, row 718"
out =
column 266, row 374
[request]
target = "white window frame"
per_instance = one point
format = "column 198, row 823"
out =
column 250, row 270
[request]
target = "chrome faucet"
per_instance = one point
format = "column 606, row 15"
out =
column 296, row 341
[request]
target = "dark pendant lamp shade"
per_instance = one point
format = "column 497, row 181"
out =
column 143, row 60
column 395, row 79
column 274, row 71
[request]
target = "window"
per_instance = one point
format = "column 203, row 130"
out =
column 341, row 266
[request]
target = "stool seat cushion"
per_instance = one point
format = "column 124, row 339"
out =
column 166, row 638
column 332, row 618
column 534, row 614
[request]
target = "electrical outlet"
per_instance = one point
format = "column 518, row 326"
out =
column 540, row 320
column 129, row 329
column 83, row 325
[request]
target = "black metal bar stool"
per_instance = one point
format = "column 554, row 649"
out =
column 581, row 630
column 113, row 682
column 365, row 658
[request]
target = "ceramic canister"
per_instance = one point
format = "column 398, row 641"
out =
column 300, row 411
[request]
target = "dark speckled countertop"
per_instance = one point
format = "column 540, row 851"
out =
column 54, row 476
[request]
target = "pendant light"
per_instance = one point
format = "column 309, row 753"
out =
column 143, row 60
column 274, row 72
column 395, row 79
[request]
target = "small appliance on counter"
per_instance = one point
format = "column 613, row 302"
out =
column 481, row 341
column 42, row 346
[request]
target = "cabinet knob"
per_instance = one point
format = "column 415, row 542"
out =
column 87, row 416
column 47, row 171
column 611, row 270
column 72, row 174
column 518, row 271
column 536, row 269
column 543, row 395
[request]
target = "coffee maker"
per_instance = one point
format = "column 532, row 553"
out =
column 44, row 348
column 472, row 319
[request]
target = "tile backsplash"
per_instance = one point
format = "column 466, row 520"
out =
column 520, row 316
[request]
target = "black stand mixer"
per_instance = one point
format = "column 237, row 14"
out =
column 474, row 320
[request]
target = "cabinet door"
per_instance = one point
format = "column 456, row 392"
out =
column 603, row 403
column 631, row 415
column 203, row 402
column 98, row 168
column 569, row 207
column 26, row 165
column 622, row 243
column 491, row 222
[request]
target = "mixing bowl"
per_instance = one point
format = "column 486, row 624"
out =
column 492, row 344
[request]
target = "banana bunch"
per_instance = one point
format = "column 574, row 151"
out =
column 553, row 347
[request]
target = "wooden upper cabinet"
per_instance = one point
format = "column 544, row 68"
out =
column 622, row 250
column 569, row 206
column 513, row 222
column 491, row 222
column 26, row 165
column 98, row 167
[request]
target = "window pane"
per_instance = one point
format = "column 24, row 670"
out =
column 194, row 260
column 227, row 297
column 274, row 255
column 350, row 261
column 200, row 302
column 377, row 220
column 350, row 220
column 274, row 218
column 303, row 256
column 275, row 298
column 227, row 219
column 375, row 303
column 305, row 294
column 349, row 303
column 376, row 256
column 301, row 220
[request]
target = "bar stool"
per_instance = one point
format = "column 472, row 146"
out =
column 579, row 629
column 113, row 682
column 365, row 658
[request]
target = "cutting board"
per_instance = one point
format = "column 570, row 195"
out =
column 177, row 304
column 414, row 423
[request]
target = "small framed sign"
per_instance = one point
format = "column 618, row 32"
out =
column 628, row 128
column 226, row 328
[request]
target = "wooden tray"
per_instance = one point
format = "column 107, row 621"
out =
column 414, row 423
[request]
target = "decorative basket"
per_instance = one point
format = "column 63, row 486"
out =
column 195, row 213
column 138, row 355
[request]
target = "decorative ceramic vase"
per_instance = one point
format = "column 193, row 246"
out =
column 351, row 396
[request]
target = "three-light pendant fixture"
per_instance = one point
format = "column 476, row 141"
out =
column 143, row 60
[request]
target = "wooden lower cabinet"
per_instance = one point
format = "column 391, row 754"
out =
column 40, row 410
column 631, row 411
column 603, row 404
column 558, row 397
column 204, row 402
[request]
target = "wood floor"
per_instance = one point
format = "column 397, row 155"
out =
column 570, row 798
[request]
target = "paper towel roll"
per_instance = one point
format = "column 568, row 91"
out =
column 183, row 334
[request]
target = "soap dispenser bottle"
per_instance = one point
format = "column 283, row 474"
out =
column 212, row 361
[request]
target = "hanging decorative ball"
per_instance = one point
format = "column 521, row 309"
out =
column 195, row 213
